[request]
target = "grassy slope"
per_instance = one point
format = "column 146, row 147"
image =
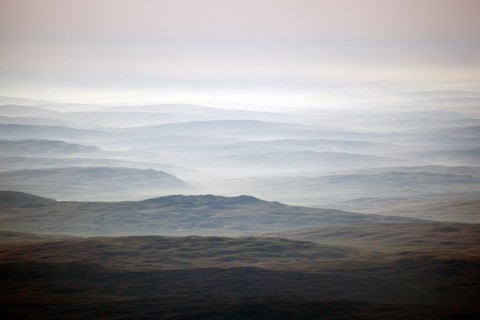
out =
column 176, row 215
column 437, row 236
column 352, row 267
column 237, row 278
column 91, row 182
column 449, row 207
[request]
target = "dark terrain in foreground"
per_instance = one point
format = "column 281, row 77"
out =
column 273, row 261
column 154, row 277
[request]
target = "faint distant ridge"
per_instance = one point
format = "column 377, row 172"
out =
column 90, row 182
column 195, row 110
column 13, row 110
column 22, row 101
column 24, row 132
column 21, row 199
column 112, row 173
column 167, row 108
column 229, row 124
column 31, row 146
column 467, row 131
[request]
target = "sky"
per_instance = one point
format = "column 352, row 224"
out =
column 264, row 52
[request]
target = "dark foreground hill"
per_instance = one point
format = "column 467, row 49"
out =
column 176, row 215
column 336, row 265
column 225, row 278
column 440, row 236
column 19, row 199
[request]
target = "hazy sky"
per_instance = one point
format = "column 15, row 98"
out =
column 265, row 52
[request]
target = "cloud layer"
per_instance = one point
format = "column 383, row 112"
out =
column 70, row 46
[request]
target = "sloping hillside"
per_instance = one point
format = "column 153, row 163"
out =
column 45, row 147
column 92, row 182
column 225, row 278
column 178, row 215
column 20, row 199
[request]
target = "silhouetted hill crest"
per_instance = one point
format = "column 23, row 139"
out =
column 206, row 200
column 21, row 199
column 180, row 215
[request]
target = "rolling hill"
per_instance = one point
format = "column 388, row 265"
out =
column 215, row 127
column 17, row 110
column 236, row 278
column 320, row 190
column 311, row 160
column 39, row 132
column 177, row 215
column 20, row 199
column 164, row 253
column 459, row 207
column 91, row 182
column 36, row 121
column 394, row 237
column 452, row 156
column 22, row 163
column 45, row 148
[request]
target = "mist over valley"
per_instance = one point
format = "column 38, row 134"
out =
column 238, row 160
